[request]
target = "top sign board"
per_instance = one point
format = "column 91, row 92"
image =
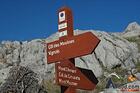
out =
column 65, row 23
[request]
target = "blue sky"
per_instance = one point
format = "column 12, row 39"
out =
column 30, row 19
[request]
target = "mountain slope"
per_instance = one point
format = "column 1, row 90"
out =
column 113, row 52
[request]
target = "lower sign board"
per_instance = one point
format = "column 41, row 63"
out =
column 68, row 75
column 71, row 47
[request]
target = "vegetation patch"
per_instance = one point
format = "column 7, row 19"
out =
column 134, row 39
column 50, row 87
column 138, row 66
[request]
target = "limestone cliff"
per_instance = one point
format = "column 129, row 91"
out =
column 114, row 50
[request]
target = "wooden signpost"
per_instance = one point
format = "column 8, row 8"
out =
column 63, row 51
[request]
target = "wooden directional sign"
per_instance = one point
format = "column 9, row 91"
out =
column 66, row 49
column 68, row 75
column 71, row 47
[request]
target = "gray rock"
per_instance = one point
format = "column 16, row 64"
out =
column 138, row 76
column 112, row 50
column 133, row 29
column 3, row 74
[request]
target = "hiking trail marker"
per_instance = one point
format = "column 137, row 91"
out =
column 63, row 51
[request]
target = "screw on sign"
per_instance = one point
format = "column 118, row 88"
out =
column 63, row 51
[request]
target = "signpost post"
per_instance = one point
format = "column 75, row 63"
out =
column 63, row 51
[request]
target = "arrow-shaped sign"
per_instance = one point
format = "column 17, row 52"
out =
column 71, row 47
column 69, row 75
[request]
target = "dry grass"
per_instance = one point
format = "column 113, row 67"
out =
column 50, row 87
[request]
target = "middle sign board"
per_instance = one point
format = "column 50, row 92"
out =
column 71, row 47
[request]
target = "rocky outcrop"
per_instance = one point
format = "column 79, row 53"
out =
column 133, row 29
column 27, row 54
column 112, row 51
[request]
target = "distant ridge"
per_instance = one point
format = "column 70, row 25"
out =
column 133, row 29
